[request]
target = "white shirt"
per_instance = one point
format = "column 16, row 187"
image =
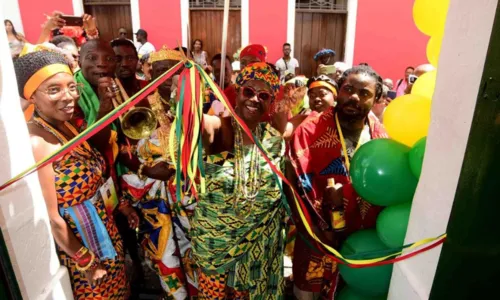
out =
column 289, row 66
column 143, row 49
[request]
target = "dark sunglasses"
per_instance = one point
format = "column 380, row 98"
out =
column 249, row 92
column 123, row 33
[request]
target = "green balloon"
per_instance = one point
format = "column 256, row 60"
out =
column 349, row 294
column 392, row 223
column 370, row 281
column 416, row 157
column 381, row 173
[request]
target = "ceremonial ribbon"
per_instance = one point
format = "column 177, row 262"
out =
column 96, row 127
column 304, row 215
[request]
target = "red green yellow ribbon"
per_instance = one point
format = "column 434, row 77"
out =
column 96, row 127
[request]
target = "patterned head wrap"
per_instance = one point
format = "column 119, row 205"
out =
column 324, row 52
column 259, row 71
column 254, row 50
column 36, row 65
column 165, row 54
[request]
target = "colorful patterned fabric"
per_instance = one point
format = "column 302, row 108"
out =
column 90, row 227
column 166, row 242
column 78, row 177
column 86, row 114
column 315, row 140
column 245, row 250
column 259, row 71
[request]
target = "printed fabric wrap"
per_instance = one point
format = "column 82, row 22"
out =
column 259, row 71
column 246, row 250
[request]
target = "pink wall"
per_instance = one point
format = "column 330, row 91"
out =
column 32, row 14
column 387, row 38
column 162, row 20
column 268, row 26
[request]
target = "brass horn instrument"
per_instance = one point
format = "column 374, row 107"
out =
column 139, row 122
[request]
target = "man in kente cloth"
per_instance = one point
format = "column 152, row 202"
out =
column 151, row 187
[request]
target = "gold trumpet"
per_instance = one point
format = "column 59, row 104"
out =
column 139, row 122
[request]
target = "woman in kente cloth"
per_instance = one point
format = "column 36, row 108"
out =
column 166, row 244
column 73, row 186
column 238, row 226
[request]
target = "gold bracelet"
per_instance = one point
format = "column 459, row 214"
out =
column 139, row 172
column 92, row 263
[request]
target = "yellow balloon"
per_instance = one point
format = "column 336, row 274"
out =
column 407, row 119
column 430, row 15
column 425, row 85
column 434, row 48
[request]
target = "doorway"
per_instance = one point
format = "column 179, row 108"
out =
column 206, row 20
column 318, row 25
column 110, row 17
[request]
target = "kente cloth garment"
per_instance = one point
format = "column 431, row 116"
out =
column 244, row 250
column 316, row 153
column 78, row 177
column 85, row 114
column 166, row 242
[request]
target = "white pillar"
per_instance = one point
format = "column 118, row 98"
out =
column 350, row 38
column 245, row 23
column 136, row 17
column 462, row 58
column 78, row 7
column 23, row 215
column 290, row 32
column 185, row 22
column 11, row 11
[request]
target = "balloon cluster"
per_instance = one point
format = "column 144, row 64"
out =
column 385, row 172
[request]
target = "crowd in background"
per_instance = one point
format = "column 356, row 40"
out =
column 113, row 203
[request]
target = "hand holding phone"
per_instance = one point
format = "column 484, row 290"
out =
column 391, row 94
column 412, row 78
column 72, row 20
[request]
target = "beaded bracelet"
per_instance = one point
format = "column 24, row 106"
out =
column 80, row 253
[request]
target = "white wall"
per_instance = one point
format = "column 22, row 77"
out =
column 459, row 73
column 23, row 215
column 11, row 11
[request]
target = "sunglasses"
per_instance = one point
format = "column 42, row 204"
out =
column 249, row 92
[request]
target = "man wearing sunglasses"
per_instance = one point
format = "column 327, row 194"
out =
column 122, row 34
column 242, row 197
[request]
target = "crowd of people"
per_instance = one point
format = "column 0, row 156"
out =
column 115, row 194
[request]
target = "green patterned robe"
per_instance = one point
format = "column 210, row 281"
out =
column 248, row 248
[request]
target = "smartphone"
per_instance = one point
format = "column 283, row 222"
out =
column 412, row 79
column 73, row 20
column 391, row 94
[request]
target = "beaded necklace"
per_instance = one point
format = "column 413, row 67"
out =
column 47, row 127
column 246, row 187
